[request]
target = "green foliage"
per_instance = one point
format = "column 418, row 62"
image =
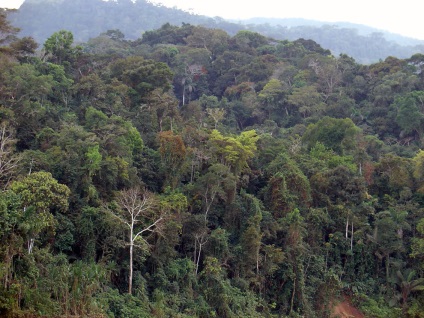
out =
column 288, row 187
column 42, row 191
column 418, row 241
column 376, row 308
column 94, row 158
column 275, row 212
column 167, row 33
column 141, row 75
column 395, row 172
column 40, row 196
column 59, row 50
column 173, row 154
column 338, row 135
column 224, row 299
column 123, row 305
column 418, row 171
column 409, row 116
column 234, row 151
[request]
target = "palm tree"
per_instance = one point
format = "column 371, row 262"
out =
column 406, row 285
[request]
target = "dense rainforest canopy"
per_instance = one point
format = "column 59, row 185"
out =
column 191, row 173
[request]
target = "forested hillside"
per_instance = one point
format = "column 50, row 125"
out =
column 193, row 173
column 41, row 18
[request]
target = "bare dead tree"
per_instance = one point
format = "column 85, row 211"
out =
column 8, row 159
column 137, row 210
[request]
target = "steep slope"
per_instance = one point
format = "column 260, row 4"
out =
column 345, row 309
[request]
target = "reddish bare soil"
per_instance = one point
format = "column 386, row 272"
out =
column 345, row 309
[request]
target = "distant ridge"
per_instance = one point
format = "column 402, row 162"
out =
column 41, row 18
column 362, row 29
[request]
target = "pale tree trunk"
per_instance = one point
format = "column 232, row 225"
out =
column 137, row 206
column 8, row 160
column 293, row 293
column 30, row 241
column 351, row 232
column 387, row 268
column 30, row 244
column 347, row 227
column 154, row 227
column 208, row 204
column 130, row 276
column 184, row 89
column 200, row 240
column 198, row 258
column 257, row 263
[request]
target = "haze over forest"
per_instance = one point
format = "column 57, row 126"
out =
column 40, row 18
column 155, row 163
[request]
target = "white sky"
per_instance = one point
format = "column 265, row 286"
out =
column 402, row 17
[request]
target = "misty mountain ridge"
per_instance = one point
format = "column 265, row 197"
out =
column 41, row 18
column 362, row 29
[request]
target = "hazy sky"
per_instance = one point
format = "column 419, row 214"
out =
column 402, row 17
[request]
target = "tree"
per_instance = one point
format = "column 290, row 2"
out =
column 26, row 87
column 388, row 235
column 164, row 108
column 228, row 65
column 248, row 41
column 58, row 47
column 137, row 210
column 410, row 112
column 141, row 76
column 8, row 158
column 173, row 155
column 40, row 194
column 407, row 284
column 61, row 84
column 328, row 73
column 250, row 241
column 393, row 174
column 417, row 246
column 168, row 34
column 217, row 183
column 273, row 97
column 234, row 152
column 190, row 71
column 174, row 205
column 295, row 249
column 336, row 134
column 307, row 100
column 7, row 31
column 418, row 172
column 288, row 188
column 94, row 159
column 213, row 40
column 217, row 114
column 25, row 91
column 24, row 48
column 11, row 224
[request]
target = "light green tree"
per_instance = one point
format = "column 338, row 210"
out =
column 234, row 152
column 418, row 172
column 272, row 97
column 58, row 47
column 40, row 194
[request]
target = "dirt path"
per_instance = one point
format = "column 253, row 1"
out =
column 345, row 309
